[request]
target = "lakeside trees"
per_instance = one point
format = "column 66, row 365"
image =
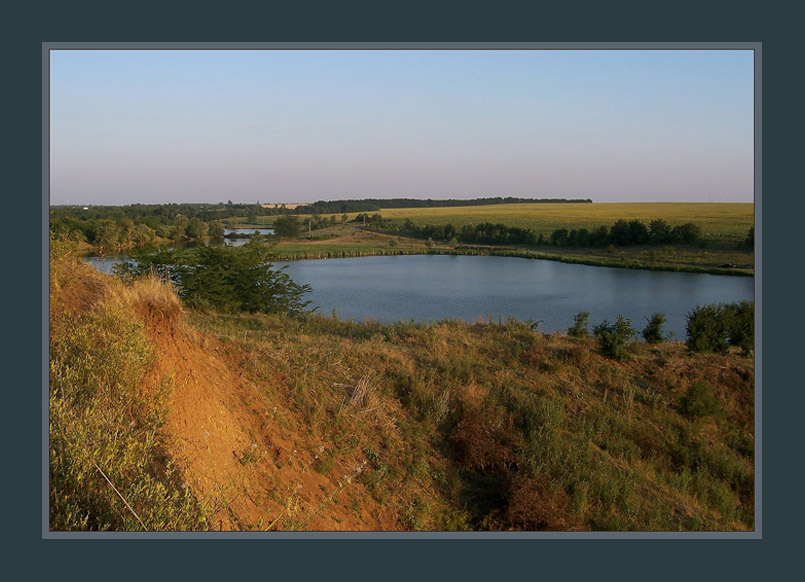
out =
column 621, row 233
column 228, row 279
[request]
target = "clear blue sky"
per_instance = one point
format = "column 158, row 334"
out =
column 299, row 126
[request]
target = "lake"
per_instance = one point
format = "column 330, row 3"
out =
column 237, row 242
column 473, row 288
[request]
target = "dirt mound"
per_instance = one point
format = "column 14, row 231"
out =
column 74, row 288
column 247, row 464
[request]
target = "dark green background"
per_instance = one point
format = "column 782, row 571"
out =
column 773, row 24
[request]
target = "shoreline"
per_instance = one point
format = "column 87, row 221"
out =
column 522, row 254
column 592, row 262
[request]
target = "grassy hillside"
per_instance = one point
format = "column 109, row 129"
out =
column 166, row 418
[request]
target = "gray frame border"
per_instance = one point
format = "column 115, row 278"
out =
column 756, row 47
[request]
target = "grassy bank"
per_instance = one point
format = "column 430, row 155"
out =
column 354, row 241
column 167, row 418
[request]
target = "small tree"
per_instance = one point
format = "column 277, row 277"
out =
column 287, row 226
column 579, row 328
column 180, row 228
column 659, row 232
column 141, row 234
column 196, row 229
column 652, row 333
column 217, row 229
column 613, row 337
column 107, row 236
column 687, row 233
column 224, row 278
column 714, row 328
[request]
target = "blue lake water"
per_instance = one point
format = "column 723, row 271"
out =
column 432, row 287
column 472, row 288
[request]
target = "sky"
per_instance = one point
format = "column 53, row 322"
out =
column 272, row 126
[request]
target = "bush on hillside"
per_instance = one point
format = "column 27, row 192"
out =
column 716, row 327
column 579, row 327
column 613, row 337
column 652, row 333
column 223, row 278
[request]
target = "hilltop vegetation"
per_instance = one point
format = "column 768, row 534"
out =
column 166, row 417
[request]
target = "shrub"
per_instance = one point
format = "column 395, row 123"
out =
column 715, row 327
column 705, row 330
column 579, row 328
column 698, row 400
column 613, row 337
column 223, row 278
column 217, row 229
column 286, row 226
column 687, row 233
column 652, row 333
column 740, row 322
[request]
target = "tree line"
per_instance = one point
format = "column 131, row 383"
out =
column 628, row 233
column 375, row 204
column 125, row 233
column 621, row 233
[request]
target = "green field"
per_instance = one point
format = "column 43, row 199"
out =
column 723, row 222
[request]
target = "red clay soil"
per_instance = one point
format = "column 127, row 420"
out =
column 250, row 467
column 238, row 459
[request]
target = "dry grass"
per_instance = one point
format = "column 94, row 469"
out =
column 495, row 426
column 362, row 426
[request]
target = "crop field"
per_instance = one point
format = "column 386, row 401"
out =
column 728, row 222
column 724, row 222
